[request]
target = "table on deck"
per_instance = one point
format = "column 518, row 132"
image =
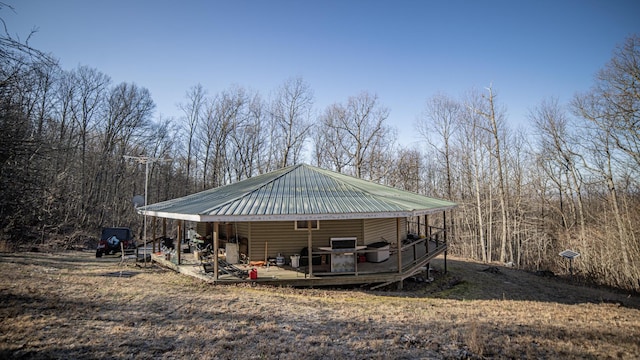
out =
column 343, row 260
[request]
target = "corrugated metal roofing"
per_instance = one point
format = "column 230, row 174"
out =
column 298, row 192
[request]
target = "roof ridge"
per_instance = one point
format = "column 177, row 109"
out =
column 278, row 175
column 362, row 187
column 347, row 180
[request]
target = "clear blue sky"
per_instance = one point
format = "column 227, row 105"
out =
column 404, row 51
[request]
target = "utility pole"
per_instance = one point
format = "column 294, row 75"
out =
column 146, row 160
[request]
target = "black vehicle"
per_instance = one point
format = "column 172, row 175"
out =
column 112, row 237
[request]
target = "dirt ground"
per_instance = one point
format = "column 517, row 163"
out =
column 72, row 305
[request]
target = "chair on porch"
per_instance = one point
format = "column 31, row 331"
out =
column 128, row 253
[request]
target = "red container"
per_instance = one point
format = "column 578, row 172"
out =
column 253, row 274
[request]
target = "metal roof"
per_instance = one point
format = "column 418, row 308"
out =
column 298, row 192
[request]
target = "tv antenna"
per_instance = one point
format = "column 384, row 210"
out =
column 146, row 160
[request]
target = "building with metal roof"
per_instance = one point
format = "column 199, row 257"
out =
column 298, row 192
column 302, row 209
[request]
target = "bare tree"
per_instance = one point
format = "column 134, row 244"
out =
column 406, row 170
column 617, row 97
column 222, row 115
column 486, row 107
column 562, row 160
column 438, row 125
column 611, row 143
column 26, row 85
column 248, row 139
column 329, row 149
column 291, row 121
column 128, row 112
column 475, row 170
column 193, row 110
column 89, row 104
column 355, row 135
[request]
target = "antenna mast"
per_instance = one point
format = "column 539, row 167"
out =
column 146, row 160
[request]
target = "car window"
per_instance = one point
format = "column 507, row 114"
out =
column 120, row 233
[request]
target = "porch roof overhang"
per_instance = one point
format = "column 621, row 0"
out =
column 299, row 192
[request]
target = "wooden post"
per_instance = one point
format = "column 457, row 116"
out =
column 249, row 240
column 399, row 240
column 215, row 251
column 164, row 231
column 153, row 240
column 309, row 248
column 427, row 235
column 164, row 226
column 444, row 227
column 179, row 238
column 445, row 261
column 415, row 250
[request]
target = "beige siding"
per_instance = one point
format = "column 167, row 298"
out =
column 226, row 229
column 337, row 228
column 281, row 237
column 383, row 229
column 203, row 229
column 242, row 229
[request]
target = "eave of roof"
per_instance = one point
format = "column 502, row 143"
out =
column 298, row 192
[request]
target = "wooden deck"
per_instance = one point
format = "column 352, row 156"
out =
column 414, row 259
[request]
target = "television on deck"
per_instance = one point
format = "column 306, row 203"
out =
column 343, row 243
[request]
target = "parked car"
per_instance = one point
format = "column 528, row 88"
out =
column 112, row 237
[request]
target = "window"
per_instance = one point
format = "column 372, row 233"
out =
column 304, row 224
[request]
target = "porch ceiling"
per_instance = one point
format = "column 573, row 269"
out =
column 299, row 192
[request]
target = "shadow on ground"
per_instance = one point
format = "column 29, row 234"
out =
column 467, row 280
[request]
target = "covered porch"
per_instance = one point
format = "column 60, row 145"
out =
column 413, row 257
column 330, row 225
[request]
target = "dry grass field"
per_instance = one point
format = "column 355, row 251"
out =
column 73, row 306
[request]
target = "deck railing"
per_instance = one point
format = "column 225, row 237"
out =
column 434, row 243
column 420, row 251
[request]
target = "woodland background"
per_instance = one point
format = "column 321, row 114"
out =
column 571, row 181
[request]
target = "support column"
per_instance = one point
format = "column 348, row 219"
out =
column 249, row 241
column 399, row 240
column 153, row 240
column 444, row 227
column 310, row 247
column 427, row 235
column 215, row 251
column 164, row 231
column 179, row 249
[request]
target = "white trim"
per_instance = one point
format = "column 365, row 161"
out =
column 316, row 227
column 168, row 215
column 289, row 217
